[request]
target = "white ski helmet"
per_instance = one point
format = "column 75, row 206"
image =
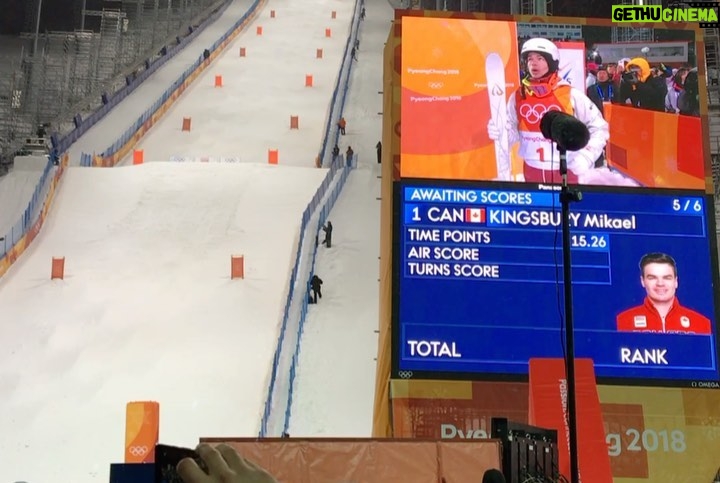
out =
column 544, row 47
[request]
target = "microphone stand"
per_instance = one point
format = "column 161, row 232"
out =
column 568, row 196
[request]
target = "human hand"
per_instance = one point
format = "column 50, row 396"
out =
column 224, row 464
column 493, row 131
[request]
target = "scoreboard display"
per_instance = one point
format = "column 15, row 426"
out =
column 479, row 281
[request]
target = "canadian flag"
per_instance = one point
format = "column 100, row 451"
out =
column 475, row 215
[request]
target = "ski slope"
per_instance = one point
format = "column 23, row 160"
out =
column 335, row 385
column 234, row 122
column 122, row 117
column 147, row 310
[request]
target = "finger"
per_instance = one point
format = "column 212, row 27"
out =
column 213, row 459
column 233, row 459
column 190, row 472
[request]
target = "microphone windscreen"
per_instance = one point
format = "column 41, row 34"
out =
column 493, row 476
column 546, row 123
column 570, row 133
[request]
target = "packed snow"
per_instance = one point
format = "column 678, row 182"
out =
column 147, row 309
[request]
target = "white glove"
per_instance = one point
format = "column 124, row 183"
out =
column 493, row 131
column 580, row 163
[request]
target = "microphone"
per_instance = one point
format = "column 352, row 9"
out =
column 493, row 476
column 564, row 130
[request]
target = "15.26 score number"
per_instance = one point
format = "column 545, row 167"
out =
column 589, row 241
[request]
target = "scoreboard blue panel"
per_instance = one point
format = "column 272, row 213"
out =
column 478, row 282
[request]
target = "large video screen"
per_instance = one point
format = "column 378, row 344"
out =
column 479, row 281
column 474, row 93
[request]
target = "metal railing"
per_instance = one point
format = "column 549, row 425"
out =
column 70, row 71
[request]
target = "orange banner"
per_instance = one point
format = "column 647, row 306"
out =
column 325, row 460
column 142, row 430
column 548, row 409
column 447, row 93
column 652, row 434
column 657, row 149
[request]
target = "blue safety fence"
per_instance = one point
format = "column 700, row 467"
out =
column 337, row 102
column 283, row 369
column 323, row 216
column 31, row 213
column 292, row 311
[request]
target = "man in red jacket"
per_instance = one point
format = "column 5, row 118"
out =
column 661, row 311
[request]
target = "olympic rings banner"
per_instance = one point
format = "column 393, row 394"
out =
column 457, row 76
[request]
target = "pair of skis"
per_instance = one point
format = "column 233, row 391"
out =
column 495, row 75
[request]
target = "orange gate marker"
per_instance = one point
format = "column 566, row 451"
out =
column 186, row 124
column 294, row 122
column 237, row 266
column 138, row 156
column 328, row 33
column 319, row 54
column 58, row 268
column 258, row 30
column 218, row 81
column 272, row 156
column 242, row 51
column 308, row 81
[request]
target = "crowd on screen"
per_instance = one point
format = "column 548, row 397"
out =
column 639, row 83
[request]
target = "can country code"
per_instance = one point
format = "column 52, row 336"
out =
column 539, row 219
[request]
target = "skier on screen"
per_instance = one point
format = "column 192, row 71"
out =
column 543, row 90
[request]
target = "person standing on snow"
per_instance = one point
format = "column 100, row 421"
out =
column 341, row 125
column 542, row 90
column 327, row 228
column 316, row 287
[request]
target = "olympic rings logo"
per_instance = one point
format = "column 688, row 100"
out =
column 405, row 374
column 533, row 114
column 435, row 85
column 138, row 450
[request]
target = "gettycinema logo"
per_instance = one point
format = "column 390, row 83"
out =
column 704, row 13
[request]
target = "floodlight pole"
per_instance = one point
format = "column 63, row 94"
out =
column 567, row 196
column 37, row 27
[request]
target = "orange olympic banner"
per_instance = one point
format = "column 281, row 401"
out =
column 452, row 70
column 548, row 409
column 368, row 460
column 142, row 430
column 655, row 148
column 652, row 434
